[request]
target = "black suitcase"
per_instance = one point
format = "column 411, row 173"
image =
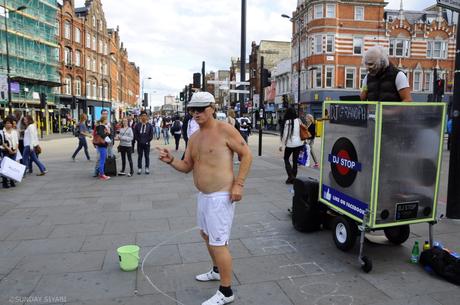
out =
column 110, row 167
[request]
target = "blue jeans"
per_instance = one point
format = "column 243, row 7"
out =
column 157, row 132
column 102, row 156
column 81, row 144
column 166, row 135
column 29, row 157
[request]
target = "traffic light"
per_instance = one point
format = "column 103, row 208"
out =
column 181, row 96
column 42, row 100
column 266, row 75
column 145, row 101
column 190, row 91
column 74, row 103
column 197, row 80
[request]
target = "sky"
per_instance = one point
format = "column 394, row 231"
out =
column 169, row 39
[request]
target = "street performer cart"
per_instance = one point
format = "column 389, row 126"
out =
column 380, row 168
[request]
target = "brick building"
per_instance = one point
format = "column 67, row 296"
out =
column 335, row 35
column 94, row 66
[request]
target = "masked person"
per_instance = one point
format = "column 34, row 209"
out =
column 383, row 82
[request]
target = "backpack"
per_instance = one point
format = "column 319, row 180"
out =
column 176, row 126
column 443, row 263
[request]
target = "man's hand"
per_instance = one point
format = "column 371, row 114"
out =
column 165, row 155
column 236, row 193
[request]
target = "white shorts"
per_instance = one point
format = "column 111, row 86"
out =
column 215, row 216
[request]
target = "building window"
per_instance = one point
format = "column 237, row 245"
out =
column 330, row 10
column 67, row 56
column 78, row 87
column 100, row 92
column 362, row 75
column 101, row 46
column 68, row 86
column 310, row 14
column 358, row 43
column 319, row 11
column 417, row 86
column 67, row 30
column 88, row 40
column 93, row 65
column 58, row 28
column 318, row 44
column 359, row 13
column 350, row 78
column 428, row 81
column 317, row 77
column 88, row 63
column 436, row 49
column 94, row 21
column 94, row 90
column 399, row 47
column 94, row 45
column 77, row 35
column 106, row 49
column 330, row 43
column 78, row 58
column 88, row 89
column 329, row 77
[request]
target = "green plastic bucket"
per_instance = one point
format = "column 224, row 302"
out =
column 129, row 257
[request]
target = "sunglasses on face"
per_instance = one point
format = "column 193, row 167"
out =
column 197, row 109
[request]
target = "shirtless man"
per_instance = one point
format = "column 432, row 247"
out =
column 209, row 155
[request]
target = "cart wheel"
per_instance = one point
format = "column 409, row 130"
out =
column 344, row 232
column 397, row 235
column 366, row 264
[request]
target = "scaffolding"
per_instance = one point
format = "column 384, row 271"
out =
column 33, row 48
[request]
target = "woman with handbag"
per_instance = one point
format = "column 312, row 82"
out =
column 101, row 140
column 32, row 147
column 292, row 142
column 311, row 139
column 10, row 143
column 126, row 137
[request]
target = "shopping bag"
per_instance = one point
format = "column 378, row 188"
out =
column 12, row 169
column 304, row 156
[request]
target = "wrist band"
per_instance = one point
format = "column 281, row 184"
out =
column 239, row 183
column 170, row 161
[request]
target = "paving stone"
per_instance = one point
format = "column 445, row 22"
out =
column 91, row 285
column 135, row 206
column 31, row 232
column 261, row 269
column 18, row 284
column 168, row 237
column 182, row 223
column 198, row 252
column 105, row 216
column 8, row 263
column 418, row 300
column 131, row 226
column 159, row 213
column 107, row 241
column 450, row 298
column 399, row 285
column 134, row 300
column 76, row 230
column 63, row 262
column 43, row 246
column 7, row 246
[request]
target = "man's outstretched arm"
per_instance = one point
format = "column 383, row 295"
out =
column 184, row 166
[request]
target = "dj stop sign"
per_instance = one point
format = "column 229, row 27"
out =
column 344, row 162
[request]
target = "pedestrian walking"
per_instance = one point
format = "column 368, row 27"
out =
column 245, row 127
column 158, row 122
column 143, row 132
column 310, row 141
column 10, row 144
column 105, row 118
column 32, row 147
column 165, row 129
column 291, row 142
column 82, row 132
column 101, row 140
column 176, row 131
column 126, row 137
column 211, row 147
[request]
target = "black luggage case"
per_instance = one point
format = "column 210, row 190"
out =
column 110, row 168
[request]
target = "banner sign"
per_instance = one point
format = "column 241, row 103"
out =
column 344, row 114
column 344, row 202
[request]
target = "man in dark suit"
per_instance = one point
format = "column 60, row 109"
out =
column 143, row 133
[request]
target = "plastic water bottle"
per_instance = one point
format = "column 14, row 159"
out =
column 415, row 253
column 426, row 246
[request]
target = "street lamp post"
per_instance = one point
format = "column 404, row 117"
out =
column 142, row 96
column 299, row 21
column 20, row 8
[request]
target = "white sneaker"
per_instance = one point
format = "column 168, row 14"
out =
column 208, row 276
column 219, row 299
